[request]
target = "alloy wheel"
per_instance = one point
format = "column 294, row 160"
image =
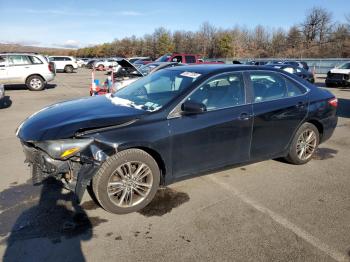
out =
column 35, row 83
column 306, row 144
column 130, row 184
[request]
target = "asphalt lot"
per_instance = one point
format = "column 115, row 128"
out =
column 268, row 211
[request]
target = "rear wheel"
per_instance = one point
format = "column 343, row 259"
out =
column 35, row 83
column 127, row 181
column 304, row 144
column 68, row 69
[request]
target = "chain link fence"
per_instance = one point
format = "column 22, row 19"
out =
column 320, row 65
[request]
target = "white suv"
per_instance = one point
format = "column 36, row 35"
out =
column 26, row 68
column 64, row 63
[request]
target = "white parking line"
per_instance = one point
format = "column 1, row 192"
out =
column 317, row 243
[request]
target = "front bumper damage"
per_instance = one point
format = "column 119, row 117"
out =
column 75, row 173
column 337, row 79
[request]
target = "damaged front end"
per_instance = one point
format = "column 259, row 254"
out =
column 72, row 161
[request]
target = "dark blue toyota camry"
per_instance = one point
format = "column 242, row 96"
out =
column 175, row 124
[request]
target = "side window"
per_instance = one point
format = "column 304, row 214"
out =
column 3, row 61
column 177, row 59
column 294, row 89
column 35, row 60
column 268, row 86
column 17, row 60
column 190, row 59
column 67, row 59
column 221, row 92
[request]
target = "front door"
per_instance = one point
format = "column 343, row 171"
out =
column 215, row 138
column 19, row 68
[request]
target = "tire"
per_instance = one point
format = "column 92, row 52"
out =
column 115, row 198
column 300, row 142
column 329, row 85
column 68, row 69
column 35, row 83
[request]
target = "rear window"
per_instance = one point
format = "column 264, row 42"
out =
column 35, row 60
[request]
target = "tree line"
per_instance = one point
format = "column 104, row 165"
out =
column 316, row 36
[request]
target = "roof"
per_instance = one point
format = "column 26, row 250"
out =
column 19, row 53
column 218, row 68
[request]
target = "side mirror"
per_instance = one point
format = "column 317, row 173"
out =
column 191, row 107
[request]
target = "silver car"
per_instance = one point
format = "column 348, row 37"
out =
column 30, row 69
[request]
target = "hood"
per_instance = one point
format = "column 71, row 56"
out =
column 63, row 120
column 340, row 71
column 128, row 67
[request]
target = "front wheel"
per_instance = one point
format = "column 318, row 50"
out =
column 127, row 181
column 304, row 144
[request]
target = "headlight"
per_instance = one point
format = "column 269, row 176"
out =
column 65, row 148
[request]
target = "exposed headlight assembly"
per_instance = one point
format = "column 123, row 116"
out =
column 65, row 148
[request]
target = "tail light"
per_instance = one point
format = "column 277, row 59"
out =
column 333, row 102
column 50, row 66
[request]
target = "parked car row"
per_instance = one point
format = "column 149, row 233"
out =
column 296, row 63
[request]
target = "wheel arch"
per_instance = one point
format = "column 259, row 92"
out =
column 153, row 153
column 35, row 75
column 318, row 125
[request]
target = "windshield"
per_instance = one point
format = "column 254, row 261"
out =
column 154, row 91
column 163, row 58
column 345, row 66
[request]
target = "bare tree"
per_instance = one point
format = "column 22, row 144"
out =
column 316, row 25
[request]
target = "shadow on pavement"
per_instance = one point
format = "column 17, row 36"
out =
column 5, row 102
column 50, row 214
column 24, row 87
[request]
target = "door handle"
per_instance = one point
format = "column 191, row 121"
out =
column 300, row 105
column 26, row 67
column 244, row 116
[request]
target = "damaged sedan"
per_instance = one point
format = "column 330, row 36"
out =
column 175, row 124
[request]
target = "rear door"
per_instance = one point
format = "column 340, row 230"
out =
column 3, row 69
column 280, row 105
column 221, row 136
column 19, row 68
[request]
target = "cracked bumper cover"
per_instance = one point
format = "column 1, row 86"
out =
column 80, row 170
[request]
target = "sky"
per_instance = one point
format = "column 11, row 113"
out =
column 80, row 23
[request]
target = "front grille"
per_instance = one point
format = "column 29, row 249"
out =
column 336, row 76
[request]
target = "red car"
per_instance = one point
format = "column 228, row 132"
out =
column 185, row 58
